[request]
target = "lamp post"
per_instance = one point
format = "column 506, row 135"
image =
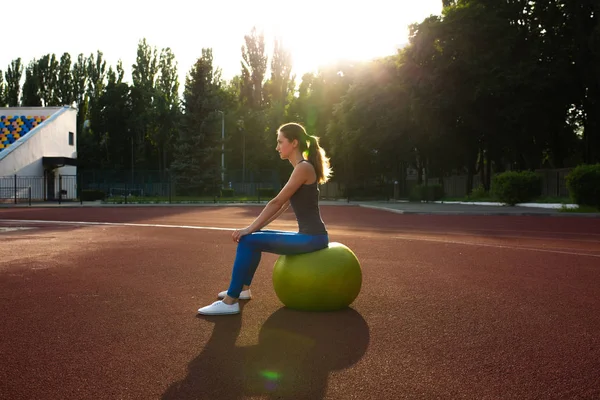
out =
column 243, row 132
column 222, row 148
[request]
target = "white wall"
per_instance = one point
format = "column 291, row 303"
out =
column 50, row 139
column 29, row 111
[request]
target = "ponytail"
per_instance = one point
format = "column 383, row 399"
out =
column 310, row 148
column 317, row 157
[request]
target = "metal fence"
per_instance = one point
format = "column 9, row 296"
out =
column 165, row 187
column 19, row 189
column 164, row 184
column 553, row 183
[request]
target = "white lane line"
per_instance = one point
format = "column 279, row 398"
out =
column 33, row 221
column 499, row 246
column 12, row 228
column 36, row 221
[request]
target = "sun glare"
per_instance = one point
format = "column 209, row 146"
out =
column 316, row 32
column 322, row 32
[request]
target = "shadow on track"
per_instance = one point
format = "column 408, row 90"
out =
column 294, row 356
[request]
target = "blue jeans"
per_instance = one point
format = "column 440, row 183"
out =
column 251, row 246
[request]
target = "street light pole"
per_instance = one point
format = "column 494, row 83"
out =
column 242, row 131
column 222, row 148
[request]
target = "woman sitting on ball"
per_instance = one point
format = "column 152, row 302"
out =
column 302, row 193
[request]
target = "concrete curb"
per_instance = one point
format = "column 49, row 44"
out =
column 92, row 204
column 549, row 213
column 493, row 210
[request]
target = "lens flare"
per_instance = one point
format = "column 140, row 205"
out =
column 270, row 375
column 271, row 379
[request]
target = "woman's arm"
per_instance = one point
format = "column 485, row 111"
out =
column 299, row 176
column 277, row 214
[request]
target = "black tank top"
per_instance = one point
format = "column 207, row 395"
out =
column 305, row 203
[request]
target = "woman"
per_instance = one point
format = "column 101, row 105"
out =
column 302, row 193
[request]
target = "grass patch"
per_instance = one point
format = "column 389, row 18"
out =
column 552, row 200
column 580, row 209
column 184, row 199
column 479, row 194
column 491, row 199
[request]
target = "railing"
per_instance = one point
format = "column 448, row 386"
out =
column 15, row 194
column 17, row 189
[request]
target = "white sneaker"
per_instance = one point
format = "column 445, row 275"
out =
column 244, row 295
column 220, row 308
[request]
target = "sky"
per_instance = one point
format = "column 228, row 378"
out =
column 316, row 32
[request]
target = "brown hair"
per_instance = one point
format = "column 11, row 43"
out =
column 310, row 148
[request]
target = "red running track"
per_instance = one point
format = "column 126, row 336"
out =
column 452, row 307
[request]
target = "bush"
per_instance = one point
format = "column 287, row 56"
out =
column 416, row 193
column 435, row 192
column 478, row 193
column 266, row 193
column 374, row 191
column 427, row 193
column 514, row 187
column 92, row 195
column 226, row 192
column 584, row 185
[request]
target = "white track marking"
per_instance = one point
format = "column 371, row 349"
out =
column 82, row 223
column 499, row 246
column 35, row 221
column 12, row 228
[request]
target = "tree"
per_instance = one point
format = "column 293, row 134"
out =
column 277, row 88
column 2, row 90
column 93, row 139
column 254, row 108
column 254, row 68
column 143, row 75
column 369, row 125
column 198, row 148
column 13, row 82
column 31, row 87
column 79, row 78
column 110, row 120
column 64, row 91
column 278, row 92
column 167, row 109
column 47, row 76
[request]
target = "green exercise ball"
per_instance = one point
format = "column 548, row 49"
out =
column 324, row 280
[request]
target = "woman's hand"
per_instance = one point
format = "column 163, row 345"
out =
column 238, row 233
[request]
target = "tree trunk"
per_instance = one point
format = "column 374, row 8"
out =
column 591, row 134
column 482, row 166
column 158, row 153
column 488, row 173
column 420, row 165
column 470, row 174
column 471, row 171
column 164, row 165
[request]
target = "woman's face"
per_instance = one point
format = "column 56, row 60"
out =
column 285, row 148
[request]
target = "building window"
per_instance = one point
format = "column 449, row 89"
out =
column 71, row 139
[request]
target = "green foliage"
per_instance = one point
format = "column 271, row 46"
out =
column 583, row 183
column 13, row 82
column 579, row 209
column 513, row 187
column 426, row 193
column 197, row 151
column 369, row 191
column 478, row 193
column 31, row 89
column 266, row 193
column 2, row 90
column 484, row 87
column 254, row 68
column 226, row 192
